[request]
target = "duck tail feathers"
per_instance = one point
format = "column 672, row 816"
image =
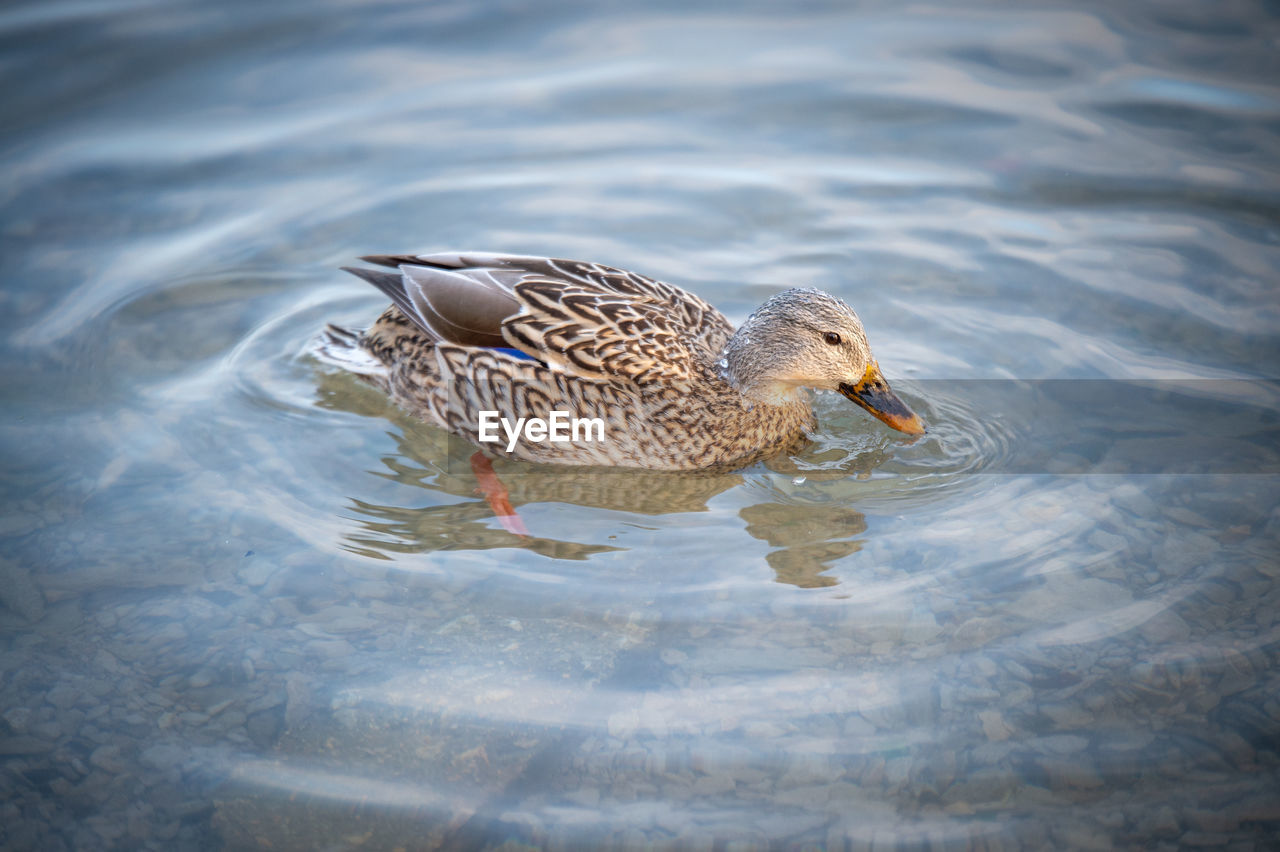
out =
column 340, row 347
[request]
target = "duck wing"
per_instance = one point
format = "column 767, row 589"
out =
column 466, row 307
column 595, row 321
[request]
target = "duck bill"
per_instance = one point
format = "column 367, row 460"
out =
column 872, row 393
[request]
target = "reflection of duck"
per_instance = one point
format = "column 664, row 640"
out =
column 674, row 386
column 806, row 538
column 809, row 538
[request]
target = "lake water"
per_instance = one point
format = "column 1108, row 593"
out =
column 248, row 604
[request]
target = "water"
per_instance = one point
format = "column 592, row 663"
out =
column 246, row 602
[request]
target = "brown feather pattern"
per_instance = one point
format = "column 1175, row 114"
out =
column 642, row 355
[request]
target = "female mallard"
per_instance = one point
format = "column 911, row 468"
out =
column 673, row 385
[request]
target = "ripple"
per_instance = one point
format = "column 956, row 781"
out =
column 271, row 366
column 961, row 437
column 909, row 642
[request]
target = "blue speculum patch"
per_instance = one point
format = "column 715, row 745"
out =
column 516, row 352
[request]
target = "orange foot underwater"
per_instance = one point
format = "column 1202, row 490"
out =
column 496, row 494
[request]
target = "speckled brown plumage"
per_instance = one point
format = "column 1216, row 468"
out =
column 677, row 389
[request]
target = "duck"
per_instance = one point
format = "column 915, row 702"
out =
column 662, row 380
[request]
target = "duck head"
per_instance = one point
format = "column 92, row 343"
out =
column 807, row 338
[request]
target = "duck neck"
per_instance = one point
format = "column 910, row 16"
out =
column 749, row 370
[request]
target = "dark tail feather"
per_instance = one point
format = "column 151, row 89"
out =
column 390, row 283
column 341, row 348
column 438, row 261
column 395, row 261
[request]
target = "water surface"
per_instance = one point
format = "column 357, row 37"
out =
column 247, row 603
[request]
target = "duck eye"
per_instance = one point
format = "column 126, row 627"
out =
column 832, row 338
